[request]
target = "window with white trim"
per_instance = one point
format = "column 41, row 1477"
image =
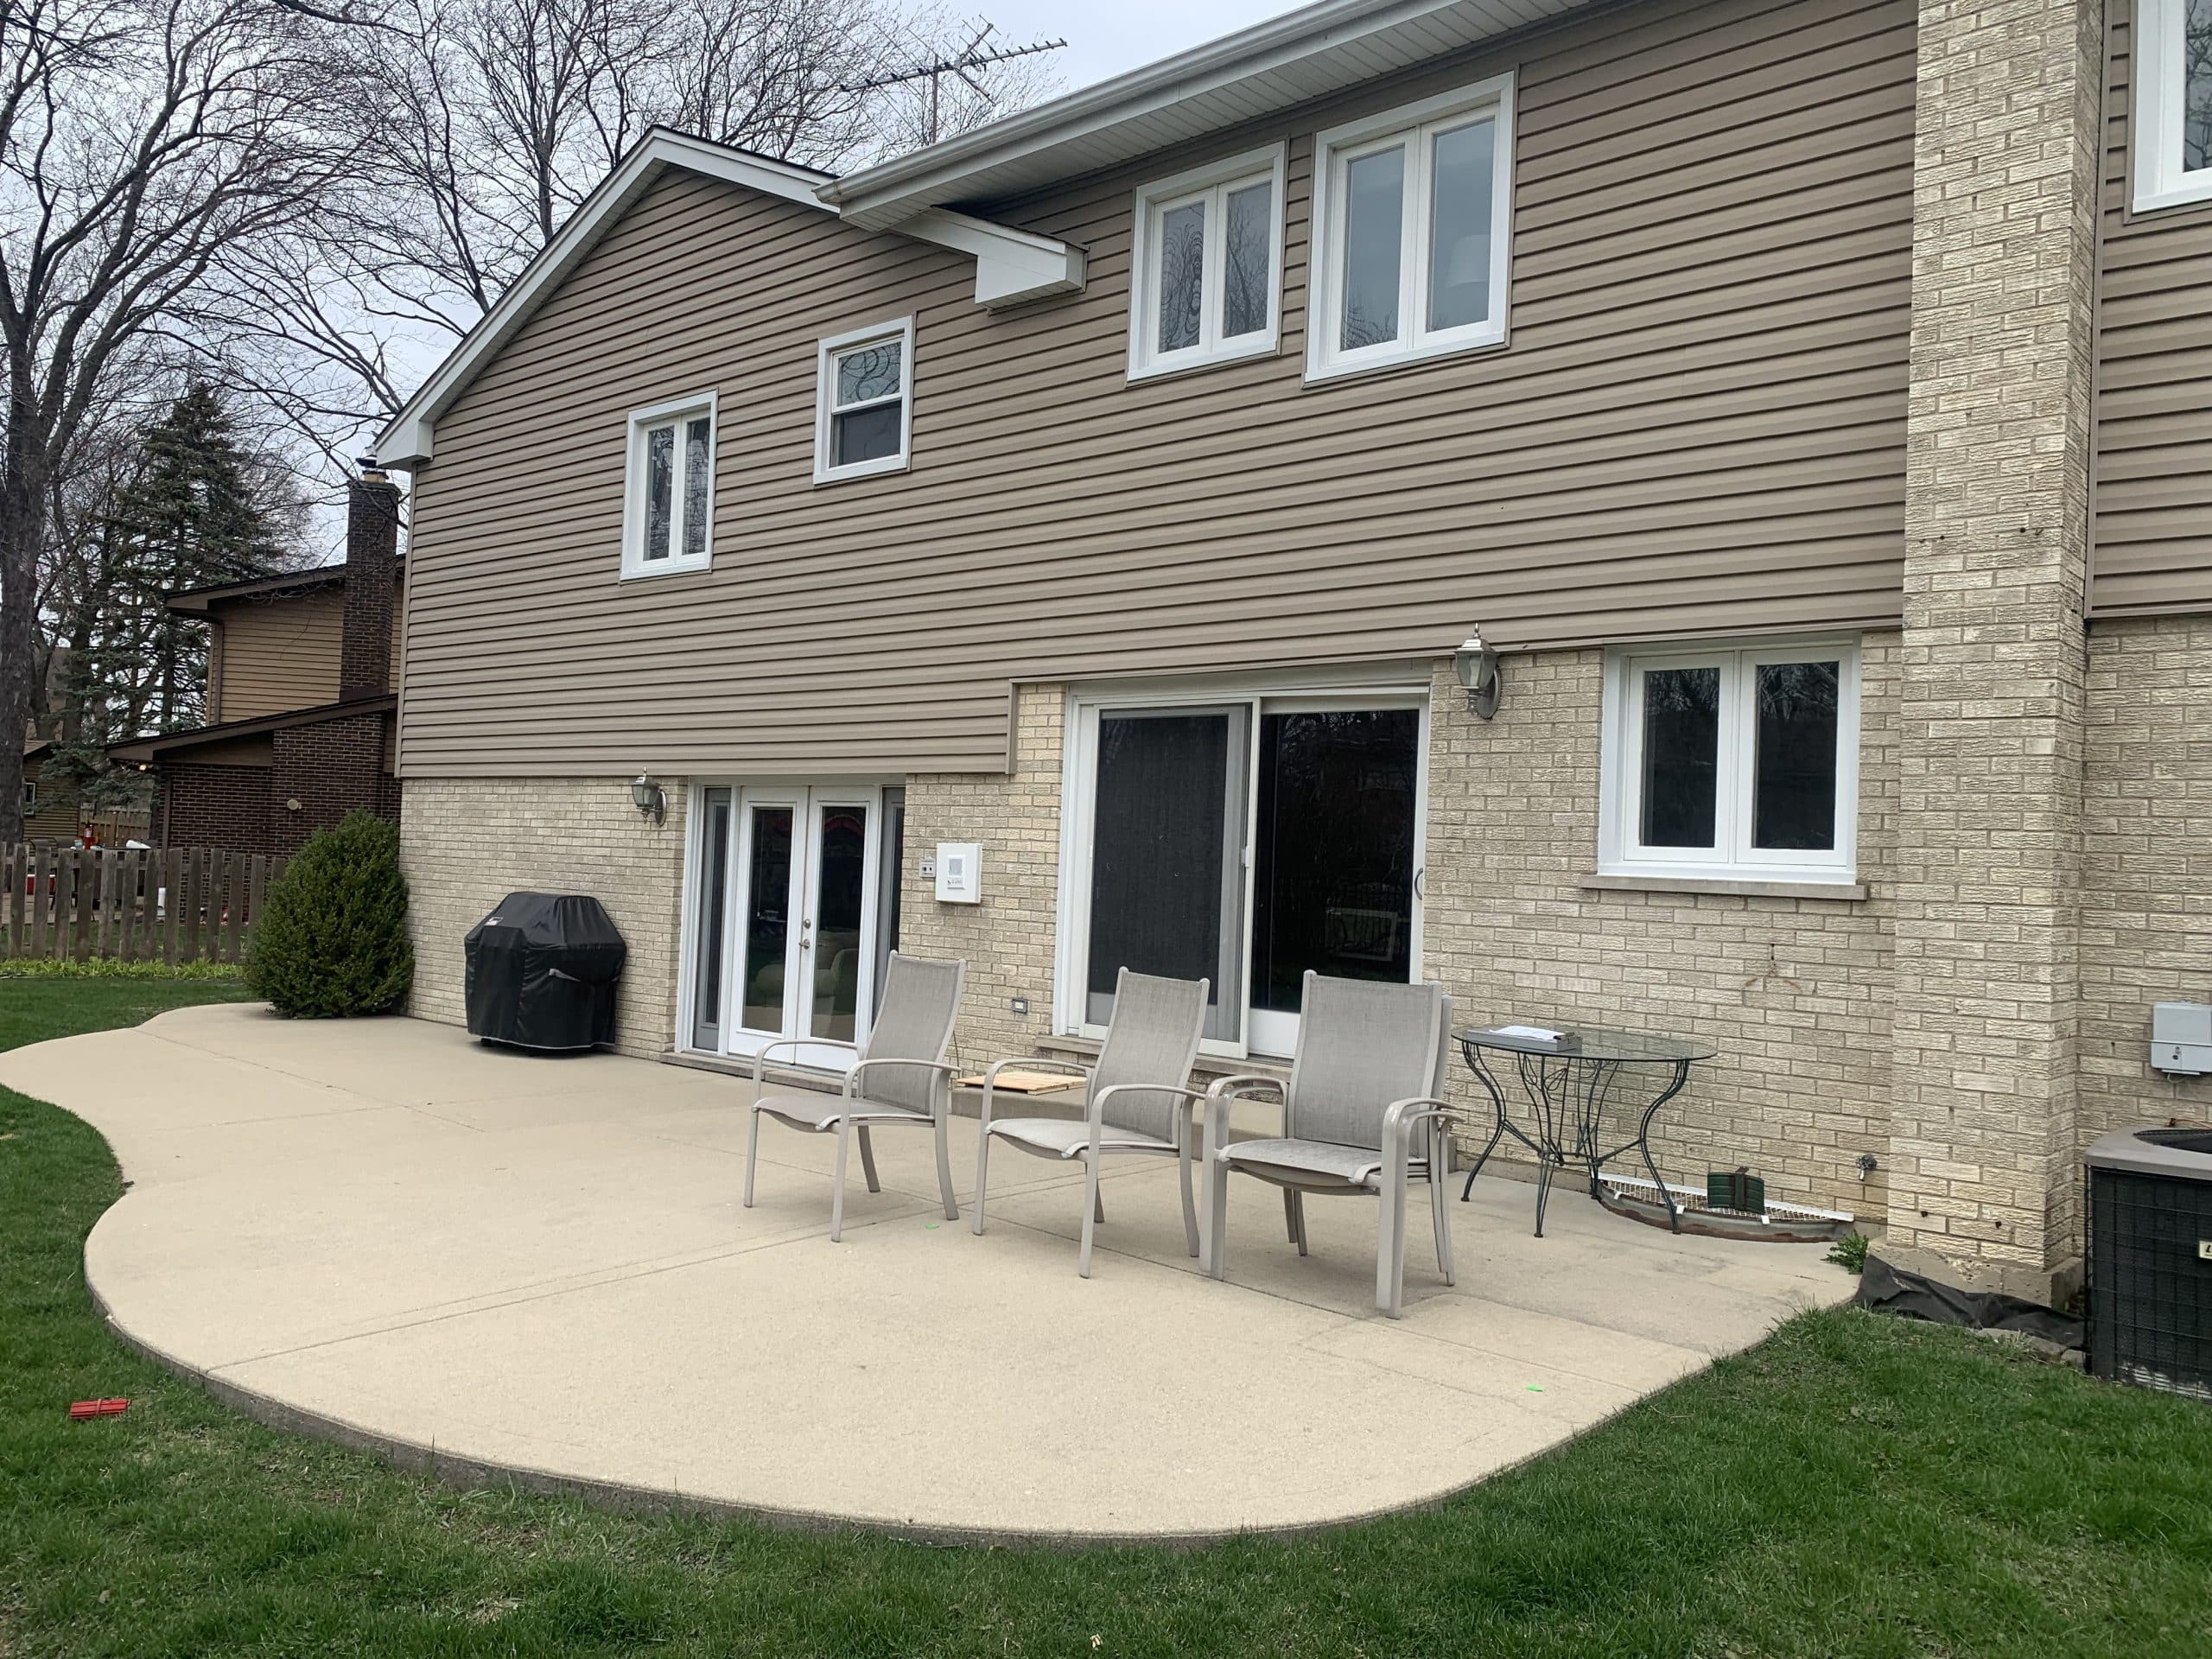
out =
column 2173, row 97
column 669, row 508
column 865, row 402
column 1731, row 762
column 1206, row 265
column 1413, row 213
column 31, row 795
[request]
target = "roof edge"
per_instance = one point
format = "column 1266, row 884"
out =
column 1011, row 266
column 143, row 749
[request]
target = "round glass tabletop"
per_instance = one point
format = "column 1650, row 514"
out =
column 1597, row 1042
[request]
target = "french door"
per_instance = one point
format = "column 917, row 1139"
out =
column 794, row 914
column 1245, row 839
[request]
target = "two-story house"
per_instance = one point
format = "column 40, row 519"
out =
column 1800, row 403
column 300, row 701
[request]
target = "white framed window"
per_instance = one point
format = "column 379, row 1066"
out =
column 1731, row 761
column 1242, row 832
column 864, row 413
column 2173, row 97
column 1413, row 213
column 1205, row 270
column 669, row 502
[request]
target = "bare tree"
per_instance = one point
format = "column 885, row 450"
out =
column 141, row 141
column 492, row 120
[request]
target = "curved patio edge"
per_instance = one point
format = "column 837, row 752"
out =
column 466, row 1473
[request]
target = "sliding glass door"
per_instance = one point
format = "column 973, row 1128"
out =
column 789, row 927
column 1248, row 842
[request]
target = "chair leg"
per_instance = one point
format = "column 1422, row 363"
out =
column 868, row 1158
column 1098, row 1203
column 1217, row 1216
column 983, row 1174
column 1439, row 1205
column 1190, row 1202
column 837, row 1188
column 1294, row 1210
column 752, row 1155
column 943, row 1132
column 1389, row 1221
column 1092, row 1213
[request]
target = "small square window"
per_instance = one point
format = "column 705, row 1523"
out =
column 1731, row 762
column 1412, row 211
column 2171, row 93
column 1206, row 264
column 668, row 518
column 864, row 417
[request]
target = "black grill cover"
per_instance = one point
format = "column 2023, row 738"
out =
column 541, row 969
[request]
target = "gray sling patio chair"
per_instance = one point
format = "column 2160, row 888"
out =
column 1141, row 1101
column 1362, row 1112
column 901, row 1077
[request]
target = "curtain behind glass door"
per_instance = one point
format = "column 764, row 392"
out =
column 1166, row 866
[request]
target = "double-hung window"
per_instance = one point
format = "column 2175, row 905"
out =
column 1206, row 265
column 668, row 516
column 1412, row 214
column 1733, row 763
column 865, row 402
column 2172, row 98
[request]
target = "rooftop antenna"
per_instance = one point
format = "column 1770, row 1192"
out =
column 976, row 55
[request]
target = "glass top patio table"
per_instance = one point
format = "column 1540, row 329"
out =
column 1594, row 1043
column 1569, row 1081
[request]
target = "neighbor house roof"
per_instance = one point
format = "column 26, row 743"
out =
column 1011, row 265
column 142, row 749
column 195, row 601
column 1288, row 61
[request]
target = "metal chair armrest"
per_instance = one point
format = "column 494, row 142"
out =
column 760, row 1056
column 1225, row 1089
column 1399, row 1115
column 1082, row 1068
column 944, row 1069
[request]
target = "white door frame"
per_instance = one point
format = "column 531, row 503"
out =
column 1278, row 693
column 807, row 803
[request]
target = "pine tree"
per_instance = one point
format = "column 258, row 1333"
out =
column 185, row 508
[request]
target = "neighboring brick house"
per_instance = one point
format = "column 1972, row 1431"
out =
column 300, row 676
column 1809, row 397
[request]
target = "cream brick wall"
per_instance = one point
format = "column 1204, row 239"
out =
column 1997, row 433
column 2146, row 869
column 1796, row 993
column 466, row 843
column 1009, row 940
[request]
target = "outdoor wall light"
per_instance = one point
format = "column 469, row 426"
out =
column 645, row 795
column 1476, row 666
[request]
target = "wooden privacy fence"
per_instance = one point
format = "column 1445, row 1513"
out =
column 180, row 903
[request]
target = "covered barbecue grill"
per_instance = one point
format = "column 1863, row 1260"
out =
column 542, row 972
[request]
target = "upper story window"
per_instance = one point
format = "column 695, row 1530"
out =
column 865, row 402
column 2172, row 94
column 1206, row 265
column 668, row 509
column 1412, row 215
column 1731, row 762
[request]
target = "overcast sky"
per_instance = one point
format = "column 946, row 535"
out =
column 1106, row 39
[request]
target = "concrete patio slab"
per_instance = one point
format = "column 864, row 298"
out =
column 504, row 1266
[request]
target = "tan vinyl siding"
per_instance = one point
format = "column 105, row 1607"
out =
column 278, row 653
column 2154, row 467
column 1697, row 428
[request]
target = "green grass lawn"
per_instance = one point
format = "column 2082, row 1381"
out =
column 1854, row 1486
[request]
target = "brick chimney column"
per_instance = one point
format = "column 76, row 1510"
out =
column 1984, row 1152
column 371, row 561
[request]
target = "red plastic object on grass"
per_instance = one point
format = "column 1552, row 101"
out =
column 84, row 1408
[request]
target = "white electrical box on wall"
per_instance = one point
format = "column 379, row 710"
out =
column 959, row 872
column 2181, row 1038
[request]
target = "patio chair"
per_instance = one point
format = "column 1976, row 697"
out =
column 1362, row 1112
column 1139, row 1100
column 908, row 1080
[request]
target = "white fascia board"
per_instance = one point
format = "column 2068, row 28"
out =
column 1011, row 265
column 880, row 196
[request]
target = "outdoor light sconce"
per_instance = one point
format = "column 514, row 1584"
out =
column 645, row 795
column 1476, row 666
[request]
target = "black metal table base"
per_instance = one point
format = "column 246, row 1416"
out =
column 1567, row 1095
